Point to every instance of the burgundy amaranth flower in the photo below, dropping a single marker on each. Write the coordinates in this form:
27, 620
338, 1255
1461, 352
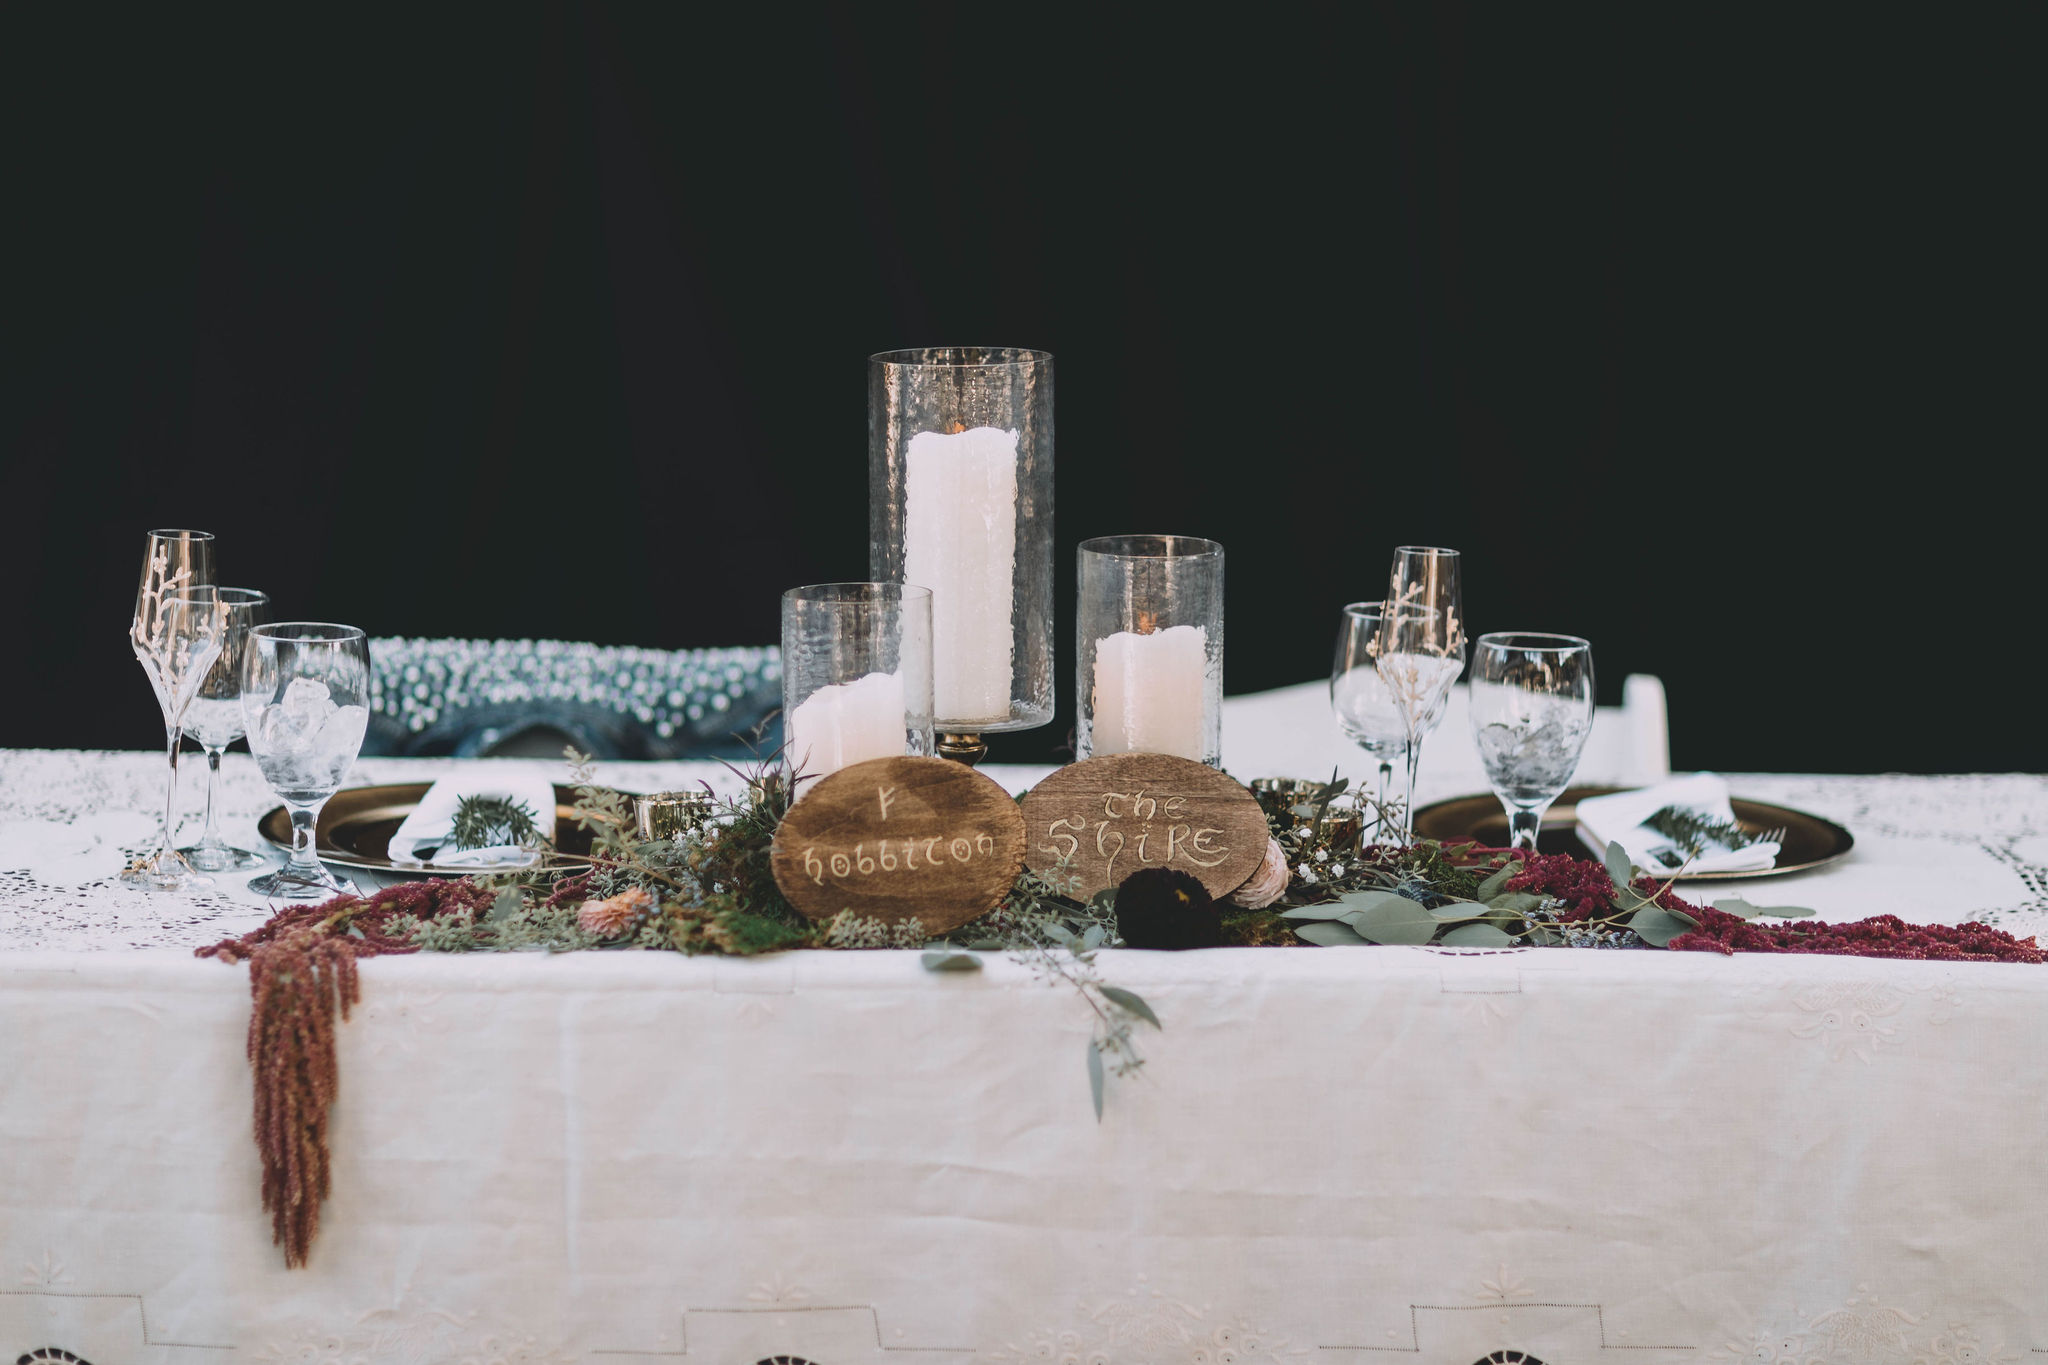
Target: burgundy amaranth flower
1582, 885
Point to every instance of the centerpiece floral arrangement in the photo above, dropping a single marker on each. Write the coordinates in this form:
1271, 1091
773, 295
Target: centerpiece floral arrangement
710, 889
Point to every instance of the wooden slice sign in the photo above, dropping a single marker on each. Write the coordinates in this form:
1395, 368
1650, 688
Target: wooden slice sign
1107, 817
901, 838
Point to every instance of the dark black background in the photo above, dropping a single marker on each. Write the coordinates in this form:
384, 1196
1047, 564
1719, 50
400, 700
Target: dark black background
1712, 337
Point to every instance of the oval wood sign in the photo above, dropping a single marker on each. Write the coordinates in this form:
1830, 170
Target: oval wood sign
1107, 817
896, 839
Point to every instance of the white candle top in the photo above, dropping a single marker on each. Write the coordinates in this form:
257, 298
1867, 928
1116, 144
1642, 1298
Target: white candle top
846, 723
1151, 693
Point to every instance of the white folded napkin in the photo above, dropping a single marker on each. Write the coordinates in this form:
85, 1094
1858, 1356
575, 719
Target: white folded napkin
433, 820
1619, 819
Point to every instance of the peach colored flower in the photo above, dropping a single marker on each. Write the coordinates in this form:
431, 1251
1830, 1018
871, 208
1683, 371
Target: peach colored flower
610, 918
1267, 884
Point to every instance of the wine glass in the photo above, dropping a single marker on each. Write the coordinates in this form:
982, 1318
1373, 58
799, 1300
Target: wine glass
1365, 708
176, 635
1532, 708
214, 719
1421, 647
305, 705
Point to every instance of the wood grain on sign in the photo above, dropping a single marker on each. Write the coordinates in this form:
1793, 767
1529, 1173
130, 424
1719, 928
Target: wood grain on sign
1109, 816
901, 838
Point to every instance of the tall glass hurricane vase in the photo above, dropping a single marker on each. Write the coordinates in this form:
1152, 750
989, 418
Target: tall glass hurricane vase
176, 634
960, 502
856, 675
1148, 647
1532, 708
305, 705
214, 719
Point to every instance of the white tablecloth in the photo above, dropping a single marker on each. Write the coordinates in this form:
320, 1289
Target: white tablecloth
1330, 1155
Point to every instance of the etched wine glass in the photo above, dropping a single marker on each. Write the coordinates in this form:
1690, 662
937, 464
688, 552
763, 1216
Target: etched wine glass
1532, 708
305, 706
1364, 707
1422, 646
176, 634
214, 719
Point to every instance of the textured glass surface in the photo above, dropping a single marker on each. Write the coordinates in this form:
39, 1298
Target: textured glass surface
960, 442
856, 674
1148, 649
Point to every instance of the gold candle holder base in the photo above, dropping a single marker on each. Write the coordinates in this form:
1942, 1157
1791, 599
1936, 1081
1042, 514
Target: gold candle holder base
670, 815
968, 749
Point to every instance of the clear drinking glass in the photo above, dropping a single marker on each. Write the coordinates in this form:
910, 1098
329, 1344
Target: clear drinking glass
214, 719
1422, 647
1364, 707
176, 634
960, 502
1532, 708
1148, 647
305, 705
856, 675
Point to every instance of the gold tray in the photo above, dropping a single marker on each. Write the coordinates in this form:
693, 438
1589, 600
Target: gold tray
357, 823
1809, 841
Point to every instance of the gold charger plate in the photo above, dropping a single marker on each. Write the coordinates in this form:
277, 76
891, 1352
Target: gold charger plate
1809, 841
357, 823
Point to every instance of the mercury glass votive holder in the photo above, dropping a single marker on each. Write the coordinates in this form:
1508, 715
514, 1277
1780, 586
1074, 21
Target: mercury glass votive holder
960, 502
856, 675
1148, 654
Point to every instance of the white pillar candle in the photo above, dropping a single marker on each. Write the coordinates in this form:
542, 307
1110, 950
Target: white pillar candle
846, 723
960, 540
1149, 692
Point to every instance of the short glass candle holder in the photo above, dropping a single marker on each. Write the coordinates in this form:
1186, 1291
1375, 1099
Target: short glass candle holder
856, 675
960, 502
1149, 647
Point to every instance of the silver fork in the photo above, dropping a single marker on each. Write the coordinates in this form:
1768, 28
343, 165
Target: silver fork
1769, 836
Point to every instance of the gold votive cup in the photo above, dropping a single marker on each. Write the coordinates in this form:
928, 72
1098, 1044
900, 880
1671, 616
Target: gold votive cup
670, 815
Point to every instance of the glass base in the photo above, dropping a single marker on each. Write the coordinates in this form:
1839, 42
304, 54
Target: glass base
221, 858
285, 884
167, 871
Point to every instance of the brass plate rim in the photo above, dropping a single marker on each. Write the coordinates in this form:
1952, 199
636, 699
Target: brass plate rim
394, 800
1749, 814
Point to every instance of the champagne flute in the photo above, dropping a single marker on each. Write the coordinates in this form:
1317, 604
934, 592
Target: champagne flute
1364, 707
1532, 708
176, 634
214, 719
305, 706
1421, 647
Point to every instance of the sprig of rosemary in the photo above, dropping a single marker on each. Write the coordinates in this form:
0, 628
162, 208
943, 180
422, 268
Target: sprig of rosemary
488, 821
1694, 831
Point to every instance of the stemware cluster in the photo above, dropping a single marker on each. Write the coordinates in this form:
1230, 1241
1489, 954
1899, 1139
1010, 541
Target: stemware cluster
297, 690
1390, 685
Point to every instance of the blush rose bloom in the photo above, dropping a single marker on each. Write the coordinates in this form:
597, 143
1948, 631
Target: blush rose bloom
1267, 884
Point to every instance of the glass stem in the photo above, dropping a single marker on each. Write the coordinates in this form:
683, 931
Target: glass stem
1523, 825
305, 820
1408, 808
211, 838
174, 736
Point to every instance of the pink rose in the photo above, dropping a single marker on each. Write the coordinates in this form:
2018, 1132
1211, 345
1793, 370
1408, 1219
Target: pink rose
1267, 884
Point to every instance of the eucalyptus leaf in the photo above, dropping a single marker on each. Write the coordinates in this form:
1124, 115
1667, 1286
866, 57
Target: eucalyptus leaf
1332, 935
1458, 910
1060, 934
1658, 927
1476, 936
1515, 902
506, 905
1092, 940
1492, 886
1095, 1075
1357, 901
1395, 920
1135, 1003
950, 960
1327, 910
1736, 905
354, 932
1619, 866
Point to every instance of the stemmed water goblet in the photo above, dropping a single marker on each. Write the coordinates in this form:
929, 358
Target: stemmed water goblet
214, 719
305, 706
1532, 708
1365, 709
176, 635
1421, 648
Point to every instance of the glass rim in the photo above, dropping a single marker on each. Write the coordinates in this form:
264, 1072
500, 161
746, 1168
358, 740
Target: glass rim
179, 533
1107, 546
924, 357
1500, 639
1378, 609
274, 630
1426, 550
853, 591
246, 597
